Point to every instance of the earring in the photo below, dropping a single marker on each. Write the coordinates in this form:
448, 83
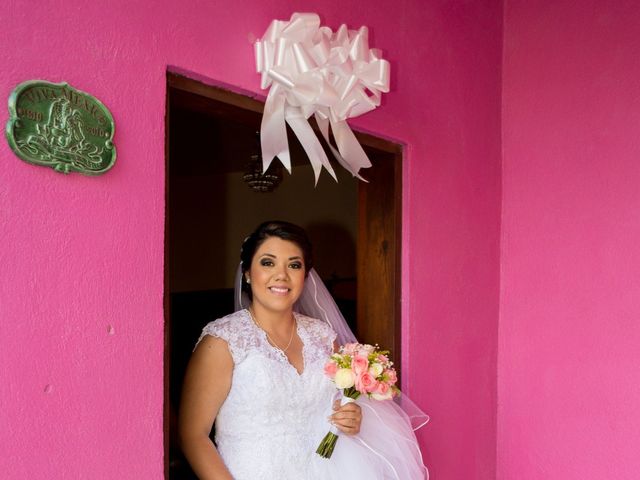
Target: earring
248, 280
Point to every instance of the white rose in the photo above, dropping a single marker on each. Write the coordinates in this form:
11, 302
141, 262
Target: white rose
383, 396
375, 370
366, 349
345, 378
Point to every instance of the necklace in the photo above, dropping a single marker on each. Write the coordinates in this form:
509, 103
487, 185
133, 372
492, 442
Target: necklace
293, 328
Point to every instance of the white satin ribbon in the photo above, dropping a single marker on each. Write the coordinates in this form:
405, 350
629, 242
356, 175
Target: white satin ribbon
311, 70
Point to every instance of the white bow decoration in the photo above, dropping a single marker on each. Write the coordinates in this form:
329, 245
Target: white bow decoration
311, 70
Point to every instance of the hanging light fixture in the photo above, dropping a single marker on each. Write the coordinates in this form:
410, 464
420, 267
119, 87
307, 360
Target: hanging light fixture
255, 178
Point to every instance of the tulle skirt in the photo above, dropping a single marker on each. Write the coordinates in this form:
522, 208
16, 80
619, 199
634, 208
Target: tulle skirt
385, 449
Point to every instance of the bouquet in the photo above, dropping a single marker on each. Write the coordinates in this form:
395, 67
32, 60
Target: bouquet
358, 369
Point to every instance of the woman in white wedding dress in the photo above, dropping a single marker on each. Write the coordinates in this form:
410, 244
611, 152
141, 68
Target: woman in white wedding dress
258, 373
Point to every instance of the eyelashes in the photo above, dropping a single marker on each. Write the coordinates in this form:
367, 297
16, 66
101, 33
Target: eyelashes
267, 262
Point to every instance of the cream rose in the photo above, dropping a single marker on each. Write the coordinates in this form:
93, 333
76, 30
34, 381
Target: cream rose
375, 369
367, 349
345, 378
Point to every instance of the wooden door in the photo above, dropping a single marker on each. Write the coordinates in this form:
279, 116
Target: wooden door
379, 241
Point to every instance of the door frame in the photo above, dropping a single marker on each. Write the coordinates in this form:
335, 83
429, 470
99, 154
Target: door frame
379, 241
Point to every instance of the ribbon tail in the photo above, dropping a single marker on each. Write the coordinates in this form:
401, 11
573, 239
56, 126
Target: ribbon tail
350, 153
323, 125
311, 145
345, 164
273, 131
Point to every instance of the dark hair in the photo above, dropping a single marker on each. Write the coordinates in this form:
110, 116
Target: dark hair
274, 228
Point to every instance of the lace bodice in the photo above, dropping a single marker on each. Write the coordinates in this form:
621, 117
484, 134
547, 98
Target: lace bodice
273, 418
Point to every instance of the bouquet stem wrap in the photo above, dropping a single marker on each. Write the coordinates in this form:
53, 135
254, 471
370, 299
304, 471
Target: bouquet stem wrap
313, 71
328, 443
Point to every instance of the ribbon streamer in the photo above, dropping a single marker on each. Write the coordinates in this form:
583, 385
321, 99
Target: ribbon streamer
312, 71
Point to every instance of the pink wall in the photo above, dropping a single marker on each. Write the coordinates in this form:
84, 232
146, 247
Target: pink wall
452, 215
569, 374
81, 341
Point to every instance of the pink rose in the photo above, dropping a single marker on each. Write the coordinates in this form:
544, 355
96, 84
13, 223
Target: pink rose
383, 359
390, 375
365, 383
330, 369
359, 364
382, 388
382, 392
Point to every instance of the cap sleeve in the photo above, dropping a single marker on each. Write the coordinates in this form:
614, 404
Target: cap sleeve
327, 334
229, 329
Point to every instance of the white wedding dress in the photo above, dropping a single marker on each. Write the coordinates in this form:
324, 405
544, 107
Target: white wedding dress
273, 418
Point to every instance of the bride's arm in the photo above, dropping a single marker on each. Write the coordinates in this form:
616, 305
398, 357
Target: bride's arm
206, 386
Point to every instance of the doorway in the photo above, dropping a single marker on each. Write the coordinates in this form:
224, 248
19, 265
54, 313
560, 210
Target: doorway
354, 226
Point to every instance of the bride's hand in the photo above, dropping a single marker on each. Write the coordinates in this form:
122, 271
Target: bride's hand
347, 418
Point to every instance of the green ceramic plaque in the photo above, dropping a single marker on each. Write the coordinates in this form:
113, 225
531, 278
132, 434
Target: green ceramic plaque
55, 125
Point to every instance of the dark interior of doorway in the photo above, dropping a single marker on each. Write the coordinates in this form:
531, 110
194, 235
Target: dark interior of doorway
211, 135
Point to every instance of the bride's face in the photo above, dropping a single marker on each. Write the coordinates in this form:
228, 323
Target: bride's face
277, 274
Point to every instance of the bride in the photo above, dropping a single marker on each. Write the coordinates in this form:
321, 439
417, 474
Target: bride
258, 373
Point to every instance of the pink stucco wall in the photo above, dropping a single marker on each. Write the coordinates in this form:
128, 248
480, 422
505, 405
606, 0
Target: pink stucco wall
569, 370
81, 289
452, 216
